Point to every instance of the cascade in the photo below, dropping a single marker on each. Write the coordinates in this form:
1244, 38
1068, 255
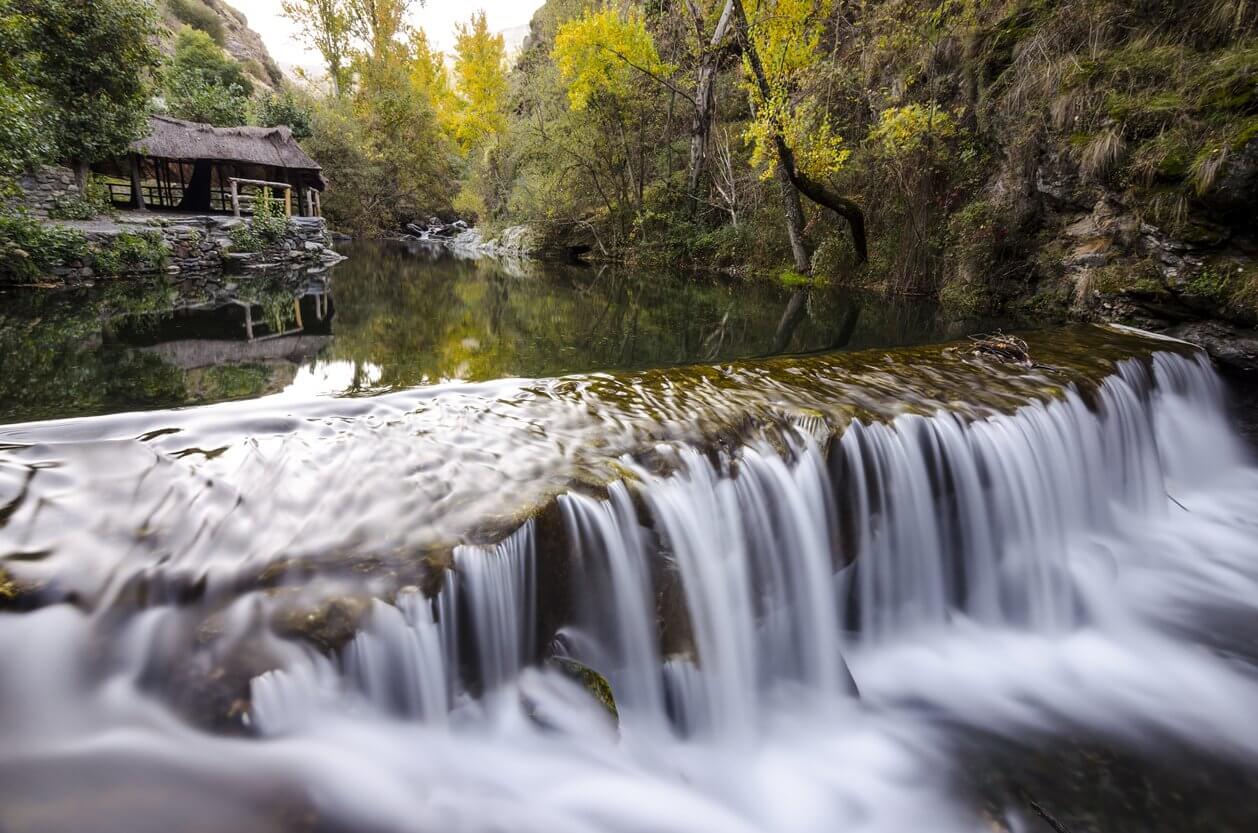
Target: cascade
798, 628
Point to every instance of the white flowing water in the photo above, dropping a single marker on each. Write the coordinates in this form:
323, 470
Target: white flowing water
796, 637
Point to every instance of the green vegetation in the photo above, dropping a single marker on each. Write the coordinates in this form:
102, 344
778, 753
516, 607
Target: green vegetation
93, 202
78, 73
265, 229
204, 84
130, 253
29, 249
199, 16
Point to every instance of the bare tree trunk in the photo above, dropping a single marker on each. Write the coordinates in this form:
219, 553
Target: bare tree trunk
794, 221
82, 170
705, 94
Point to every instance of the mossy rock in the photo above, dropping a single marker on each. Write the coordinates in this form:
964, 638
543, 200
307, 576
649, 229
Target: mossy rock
10, 591
589, 679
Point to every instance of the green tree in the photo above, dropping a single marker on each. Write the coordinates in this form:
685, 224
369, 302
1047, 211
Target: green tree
325, 25
205, 84
283, 108
93, 61
23, 137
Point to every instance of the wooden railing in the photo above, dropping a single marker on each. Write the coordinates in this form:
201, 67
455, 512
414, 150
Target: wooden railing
234, 199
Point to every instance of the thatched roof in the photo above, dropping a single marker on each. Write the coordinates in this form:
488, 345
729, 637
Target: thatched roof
186, 140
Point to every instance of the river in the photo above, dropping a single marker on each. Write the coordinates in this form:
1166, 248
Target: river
434, 544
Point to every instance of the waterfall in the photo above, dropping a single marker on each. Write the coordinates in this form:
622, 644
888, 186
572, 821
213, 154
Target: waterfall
741, 578
406, 662
801, 630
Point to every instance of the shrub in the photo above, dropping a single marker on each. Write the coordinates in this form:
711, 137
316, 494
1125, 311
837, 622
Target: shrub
193, 99
265, 230
199, 16
29, 249
87, 206
275, 109
128, 252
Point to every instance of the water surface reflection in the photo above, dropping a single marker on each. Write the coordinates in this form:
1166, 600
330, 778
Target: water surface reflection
394, 317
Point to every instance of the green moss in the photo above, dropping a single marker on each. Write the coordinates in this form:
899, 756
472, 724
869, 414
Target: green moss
1230, 285
1243, 133
967, 299
1050, 302
789, 277
589, 679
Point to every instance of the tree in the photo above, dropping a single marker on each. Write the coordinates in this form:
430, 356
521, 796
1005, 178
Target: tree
377, 23
481, 81
324, 25
23, 137
283, 108
93, 61
602, 53
431, 79
205, 84
789, 33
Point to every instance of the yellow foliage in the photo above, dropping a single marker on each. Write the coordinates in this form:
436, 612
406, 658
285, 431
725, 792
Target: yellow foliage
430, 78
903, 130
787, 35
480, 72
603, 52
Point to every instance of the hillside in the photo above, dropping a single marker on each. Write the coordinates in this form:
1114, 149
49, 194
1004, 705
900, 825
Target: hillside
230, 29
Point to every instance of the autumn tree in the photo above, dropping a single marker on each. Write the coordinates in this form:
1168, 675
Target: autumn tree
793, 137
480, 72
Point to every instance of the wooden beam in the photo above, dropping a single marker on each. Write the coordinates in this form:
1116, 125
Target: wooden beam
137, 183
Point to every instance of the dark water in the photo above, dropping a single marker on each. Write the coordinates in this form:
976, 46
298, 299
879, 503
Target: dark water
393, 317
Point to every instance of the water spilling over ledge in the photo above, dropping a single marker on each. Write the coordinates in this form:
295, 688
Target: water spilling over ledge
805, 581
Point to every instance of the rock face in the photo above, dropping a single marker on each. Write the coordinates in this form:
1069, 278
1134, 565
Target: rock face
1229, 346
1097, 251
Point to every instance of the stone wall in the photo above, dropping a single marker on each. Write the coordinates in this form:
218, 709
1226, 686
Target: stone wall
201, 245
42, 189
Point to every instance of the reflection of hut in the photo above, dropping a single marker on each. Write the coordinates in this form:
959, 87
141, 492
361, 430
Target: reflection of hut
186, 166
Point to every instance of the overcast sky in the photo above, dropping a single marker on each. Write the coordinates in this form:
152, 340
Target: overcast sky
437, 17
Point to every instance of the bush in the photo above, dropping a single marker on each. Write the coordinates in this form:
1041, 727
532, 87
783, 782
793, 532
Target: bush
143, 252
199, 16
88, 206
193, 99
276, 109
29, 249
266, 230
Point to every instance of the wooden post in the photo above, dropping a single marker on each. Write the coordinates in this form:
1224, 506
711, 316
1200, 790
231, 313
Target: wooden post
137, 186
288, 202
235, 196
318, 199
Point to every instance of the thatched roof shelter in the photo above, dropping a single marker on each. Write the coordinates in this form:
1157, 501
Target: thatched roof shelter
197, 167
270, 147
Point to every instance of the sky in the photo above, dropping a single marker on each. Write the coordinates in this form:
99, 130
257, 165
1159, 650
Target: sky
437, 17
